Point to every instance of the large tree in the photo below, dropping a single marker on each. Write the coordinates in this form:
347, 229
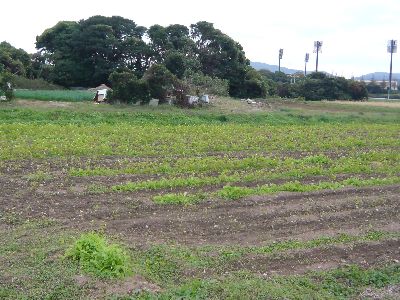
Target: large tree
15, 61
84, 53
220, 56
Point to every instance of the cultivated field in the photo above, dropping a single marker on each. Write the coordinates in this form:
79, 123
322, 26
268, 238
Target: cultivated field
55, 95
286, 200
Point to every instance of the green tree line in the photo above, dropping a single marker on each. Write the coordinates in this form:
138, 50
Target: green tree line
149, 62
315, 86
85, 53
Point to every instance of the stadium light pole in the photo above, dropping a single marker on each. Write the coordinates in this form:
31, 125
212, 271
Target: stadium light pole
306, 59
317, 49
391, 48
280, 57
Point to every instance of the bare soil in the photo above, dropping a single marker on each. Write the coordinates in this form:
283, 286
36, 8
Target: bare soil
45, 104
253, 221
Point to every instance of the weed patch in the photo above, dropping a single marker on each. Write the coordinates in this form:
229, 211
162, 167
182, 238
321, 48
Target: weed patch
234, 192
39, 176
96, 256
343, 283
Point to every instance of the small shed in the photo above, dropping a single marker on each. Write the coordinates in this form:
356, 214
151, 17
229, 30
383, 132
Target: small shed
101, 92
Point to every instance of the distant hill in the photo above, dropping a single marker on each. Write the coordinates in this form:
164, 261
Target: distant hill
272, 68
371, 76
379, 76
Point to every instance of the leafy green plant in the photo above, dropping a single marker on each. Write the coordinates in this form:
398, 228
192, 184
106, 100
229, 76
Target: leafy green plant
39, 176
96, 256
234, 192
127, 88
97, 189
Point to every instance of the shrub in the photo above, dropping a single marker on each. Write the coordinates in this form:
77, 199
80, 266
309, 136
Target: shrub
160, 81
254, 85
128, 88
358, 90
283, 90
318, 86
202, 84
98, 257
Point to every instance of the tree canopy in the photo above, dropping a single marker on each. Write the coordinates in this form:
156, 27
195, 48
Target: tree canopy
85, 53
15, 61
314, 86
141, 63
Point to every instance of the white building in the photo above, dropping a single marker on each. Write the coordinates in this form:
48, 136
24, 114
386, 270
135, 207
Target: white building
383, 83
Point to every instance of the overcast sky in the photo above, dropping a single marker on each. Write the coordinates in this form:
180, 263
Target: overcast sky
354, 32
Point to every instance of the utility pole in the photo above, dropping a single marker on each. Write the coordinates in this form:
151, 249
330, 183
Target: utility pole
305, 63
391, 48
280, 57
317, 49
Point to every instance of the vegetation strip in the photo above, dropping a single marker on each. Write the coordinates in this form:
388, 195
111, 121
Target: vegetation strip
87, 115
235, 192
209, 256
287, 169
24, 141
321, 163
287, 245
55, 95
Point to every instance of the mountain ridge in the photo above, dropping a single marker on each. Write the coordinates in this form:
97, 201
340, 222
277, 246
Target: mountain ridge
379, 76
273, 68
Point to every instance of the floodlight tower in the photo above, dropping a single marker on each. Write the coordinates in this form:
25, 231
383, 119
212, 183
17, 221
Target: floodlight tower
280, 57
317, 49
391, 48
306, 59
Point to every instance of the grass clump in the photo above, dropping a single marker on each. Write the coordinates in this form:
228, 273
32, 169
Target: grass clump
39, 176
100, 258
234, 192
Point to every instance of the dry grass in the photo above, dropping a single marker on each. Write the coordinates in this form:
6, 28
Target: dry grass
390, 103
